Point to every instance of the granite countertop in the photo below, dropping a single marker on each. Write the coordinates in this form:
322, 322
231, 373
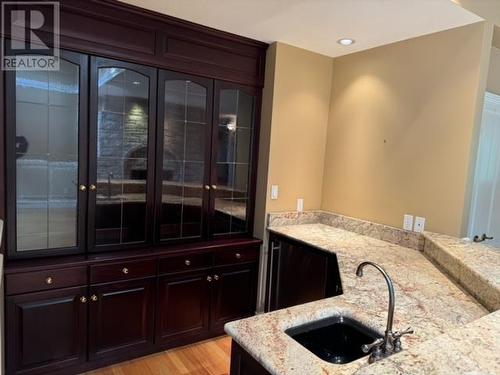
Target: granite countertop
475, 266
426, 299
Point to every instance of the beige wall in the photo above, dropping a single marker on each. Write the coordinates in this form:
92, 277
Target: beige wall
401, 130
294, 124
494, 71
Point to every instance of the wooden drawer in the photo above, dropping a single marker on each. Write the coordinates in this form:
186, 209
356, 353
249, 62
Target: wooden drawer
185, 263
45, 280
122, 271
236, 256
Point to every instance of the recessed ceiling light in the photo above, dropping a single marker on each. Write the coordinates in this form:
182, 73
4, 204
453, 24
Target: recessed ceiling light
136, 83
346, 41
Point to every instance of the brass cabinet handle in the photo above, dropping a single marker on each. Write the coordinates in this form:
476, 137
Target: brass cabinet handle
207, 187
214, 187
216, 277
82, 188
125, 270
93, 297
83, 299
238, 256
93, 187
49, 280
187, 262
209, 279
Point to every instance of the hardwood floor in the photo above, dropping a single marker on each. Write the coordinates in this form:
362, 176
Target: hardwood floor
209, 357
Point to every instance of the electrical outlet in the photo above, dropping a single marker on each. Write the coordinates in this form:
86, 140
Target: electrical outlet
408, 222
419, 224
274, 192
300, 204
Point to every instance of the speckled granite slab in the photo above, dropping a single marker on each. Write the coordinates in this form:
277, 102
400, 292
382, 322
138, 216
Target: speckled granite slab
472, 349
425, 300
383, 232
475, 267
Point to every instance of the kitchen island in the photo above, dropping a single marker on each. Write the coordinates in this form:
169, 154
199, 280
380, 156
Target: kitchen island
443, 315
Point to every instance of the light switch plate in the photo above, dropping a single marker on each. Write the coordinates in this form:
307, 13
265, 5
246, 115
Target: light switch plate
300, 204
274, 192
419, 224
408, 222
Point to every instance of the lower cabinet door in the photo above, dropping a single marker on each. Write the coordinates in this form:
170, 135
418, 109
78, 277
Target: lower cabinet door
121, 318
46, 331
183, 308
233, 294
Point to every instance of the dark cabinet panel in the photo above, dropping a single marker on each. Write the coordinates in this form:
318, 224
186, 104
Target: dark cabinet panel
243, 363
298, 274
235, 113
233, 294
183, 307
183, 156
121, 318
46, 153
121, 167
46, 331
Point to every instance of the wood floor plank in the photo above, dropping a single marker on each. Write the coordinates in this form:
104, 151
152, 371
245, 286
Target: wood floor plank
209, 357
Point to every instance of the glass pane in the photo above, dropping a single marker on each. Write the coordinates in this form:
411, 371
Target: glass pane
184, 128
47, 114
122, 141
234, 136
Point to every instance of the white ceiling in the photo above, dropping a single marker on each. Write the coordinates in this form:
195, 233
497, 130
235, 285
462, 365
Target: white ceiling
316, 25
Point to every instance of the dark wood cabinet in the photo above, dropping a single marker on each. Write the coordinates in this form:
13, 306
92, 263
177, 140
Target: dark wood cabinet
243, 363
130, 175
183, 155
236, 284
124, 307
197, 303
46, 331
234, 156
183, 307
121, 318
122, 149
46, 159
298, 273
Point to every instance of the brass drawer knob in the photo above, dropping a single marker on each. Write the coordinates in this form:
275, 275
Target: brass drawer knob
187, 262
207, 187
238, 256
83, 299
125, 270
93, 187
209, 279
82, 188
93, 297
214, 187
216, 277
49, 280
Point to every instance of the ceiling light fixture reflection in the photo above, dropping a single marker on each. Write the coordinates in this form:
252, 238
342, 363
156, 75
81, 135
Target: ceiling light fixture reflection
346, 41
231, 126
136, 83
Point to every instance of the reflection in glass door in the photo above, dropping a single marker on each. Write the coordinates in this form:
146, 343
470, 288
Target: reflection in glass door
45, 142
119, 187
233, 148
183, 144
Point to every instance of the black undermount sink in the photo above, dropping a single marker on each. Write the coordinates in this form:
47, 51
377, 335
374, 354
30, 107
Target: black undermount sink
336, 339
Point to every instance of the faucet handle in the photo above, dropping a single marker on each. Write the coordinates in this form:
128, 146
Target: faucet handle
375, 348
366, 348
397, 338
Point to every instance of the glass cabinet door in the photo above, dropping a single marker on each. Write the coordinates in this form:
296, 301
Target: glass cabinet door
232, 158
121, 167
46, 156
183, 144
